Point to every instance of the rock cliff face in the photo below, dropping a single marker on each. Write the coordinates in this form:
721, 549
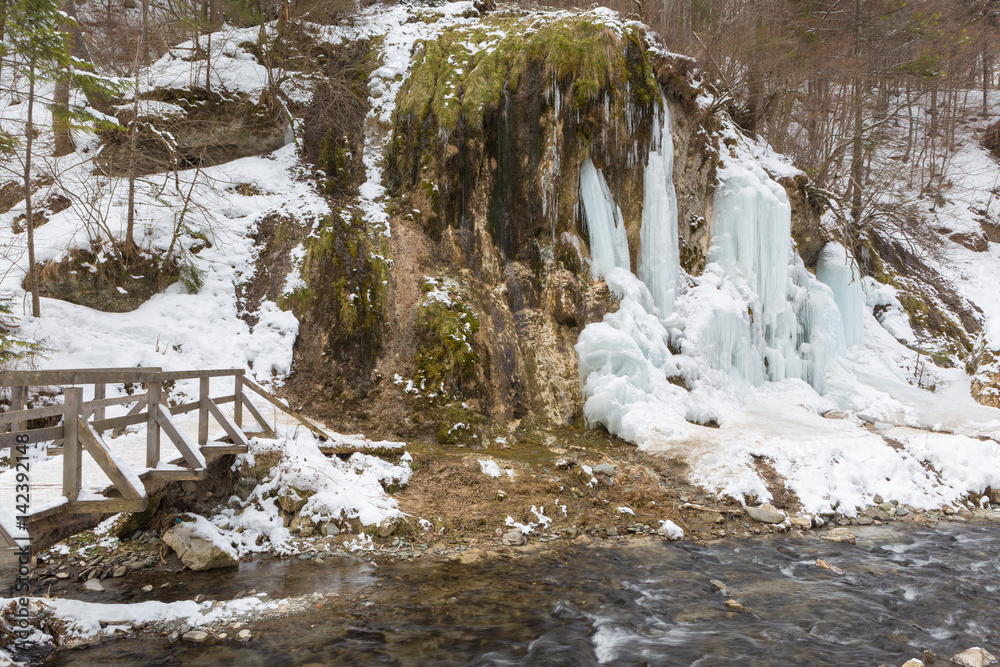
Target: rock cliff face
464, 319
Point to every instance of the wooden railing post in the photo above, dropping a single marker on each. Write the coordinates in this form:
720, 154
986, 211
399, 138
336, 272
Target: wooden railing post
18, 396
72, 448
152, 427
100, 391
203, 396
238, 402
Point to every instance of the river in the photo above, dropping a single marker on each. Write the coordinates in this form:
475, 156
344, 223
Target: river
905, 590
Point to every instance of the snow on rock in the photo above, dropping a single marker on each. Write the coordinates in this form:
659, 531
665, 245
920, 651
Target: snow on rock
489, 467
670, 530
200, 544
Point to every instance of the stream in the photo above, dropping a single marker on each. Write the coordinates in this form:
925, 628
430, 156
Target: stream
905, 590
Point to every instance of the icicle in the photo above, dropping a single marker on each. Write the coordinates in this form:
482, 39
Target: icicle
836, 269
658, 253
603, 218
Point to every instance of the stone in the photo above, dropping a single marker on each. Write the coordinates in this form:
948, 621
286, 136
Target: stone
244, 635
195, 636
836, 414
189, 486
330, 529
611, 532
604, 469
148, 588
93, 585
120, 572
902, 511
829, 567
801, 522
948, 509
292, 500
387, 528
974, 657
582, 539
913, 662
842, 535
865, 521
513, 538
719, 586
878, 499
200, 545
886, 507
62, 575
764, 515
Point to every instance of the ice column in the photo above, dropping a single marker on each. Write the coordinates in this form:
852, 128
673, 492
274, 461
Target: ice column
658, 254
603, 218
752, 240
838, 270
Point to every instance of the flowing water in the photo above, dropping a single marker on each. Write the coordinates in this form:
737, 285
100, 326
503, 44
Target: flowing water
904, 591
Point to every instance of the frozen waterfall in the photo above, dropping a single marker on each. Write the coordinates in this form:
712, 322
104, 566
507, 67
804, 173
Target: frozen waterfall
677, 352
603, 218
659, 260
838, 270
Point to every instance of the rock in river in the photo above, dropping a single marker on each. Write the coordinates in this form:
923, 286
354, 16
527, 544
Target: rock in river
974, 657
200, 545
513, 538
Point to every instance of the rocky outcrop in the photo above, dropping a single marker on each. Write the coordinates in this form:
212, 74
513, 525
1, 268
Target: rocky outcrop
184, 128
106, 279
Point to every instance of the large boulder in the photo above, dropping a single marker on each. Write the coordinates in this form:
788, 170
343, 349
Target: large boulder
199, 544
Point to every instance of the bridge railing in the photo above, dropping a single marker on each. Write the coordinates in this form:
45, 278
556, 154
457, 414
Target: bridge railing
84, 423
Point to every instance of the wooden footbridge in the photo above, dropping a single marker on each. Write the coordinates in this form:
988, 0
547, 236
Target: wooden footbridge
82, 426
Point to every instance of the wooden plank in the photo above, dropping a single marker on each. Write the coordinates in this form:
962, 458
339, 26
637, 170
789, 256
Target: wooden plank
22, 416
78, 376
261, 419
203, 399
34, 435
177, 475
119, 423
6, 538
224, 448
234, 433
118, 472
72, 450
237, 400
100, 404
190, 375
136, 409
18, 396
270, 398
192, 456
191, 406
100, 392
152, 430
108, 506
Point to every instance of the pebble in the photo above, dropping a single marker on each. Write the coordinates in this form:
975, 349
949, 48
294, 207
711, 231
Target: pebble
913, 662
829, 567
120, 572
513, 538
244, 635
147, 589
62, 575
719, 586
195, 636
93, 585
612, 532
604, 469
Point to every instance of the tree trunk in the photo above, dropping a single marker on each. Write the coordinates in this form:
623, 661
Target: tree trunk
95, 99
29, 218
857, 147
141, 58
60, 119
